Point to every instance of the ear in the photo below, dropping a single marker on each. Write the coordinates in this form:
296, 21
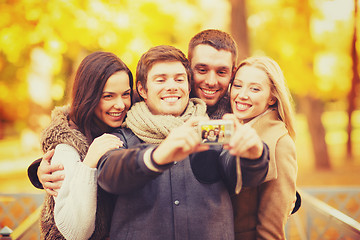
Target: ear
272, 100
142, 91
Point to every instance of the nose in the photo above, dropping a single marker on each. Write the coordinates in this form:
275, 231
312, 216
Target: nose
119, 104
211, 79
243, 94
171, 85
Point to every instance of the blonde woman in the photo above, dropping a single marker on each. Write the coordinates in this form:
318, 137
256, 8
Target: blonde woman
259, 97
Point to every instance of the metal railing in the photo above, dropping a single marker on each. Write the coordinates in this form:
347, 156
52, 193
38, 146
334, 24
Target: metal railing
327, 213
317, 220
21, 213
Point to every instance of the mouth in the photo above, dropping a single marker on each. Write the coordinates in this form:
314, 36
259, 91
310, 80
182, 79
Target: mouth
209, 92
242, 106
116, 115
170, 99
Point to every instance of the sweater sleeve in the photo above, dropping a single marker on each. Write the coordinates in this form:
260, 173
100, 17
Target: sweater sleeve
75, 205
121, 171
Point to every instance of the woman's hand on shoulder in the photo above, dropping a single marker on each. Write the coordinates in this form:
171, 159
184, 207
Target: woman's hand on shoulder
99, 147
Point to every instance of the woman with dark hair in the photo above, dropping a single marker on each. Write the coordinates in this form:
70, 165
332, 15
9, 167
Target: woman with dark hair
102, 93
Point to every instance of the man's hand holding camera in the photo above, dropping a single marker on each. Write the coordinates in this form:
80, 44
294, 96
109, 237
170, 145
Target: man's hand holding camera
244, 142
180, 142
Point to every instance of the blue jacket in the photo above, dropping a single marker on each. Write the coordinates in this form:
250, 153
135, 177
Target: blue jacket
184, 201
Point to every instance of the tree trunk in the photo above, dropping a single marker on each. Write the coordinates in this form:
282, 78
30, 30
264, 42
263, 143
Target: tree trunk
239, 28
313, 109
354, 83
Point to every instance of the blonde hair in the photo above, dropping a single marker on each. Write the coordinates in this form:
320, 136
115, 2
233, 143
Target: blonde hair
279, 89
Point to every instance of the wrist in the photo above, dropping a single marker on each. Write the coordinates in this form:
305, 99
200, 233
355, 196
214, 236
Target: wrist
156, 164
89, 162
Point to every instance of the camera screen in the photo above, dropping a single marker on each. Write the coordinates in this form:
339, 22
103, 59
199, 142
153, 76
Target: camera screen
215, 131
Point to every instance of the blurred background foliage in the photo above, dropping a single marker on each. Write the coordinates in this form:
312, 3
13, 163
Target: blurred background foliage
314, 41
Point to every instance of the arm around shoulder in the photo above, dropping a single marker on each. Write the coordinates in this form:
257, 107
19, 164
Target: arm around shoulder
32, 173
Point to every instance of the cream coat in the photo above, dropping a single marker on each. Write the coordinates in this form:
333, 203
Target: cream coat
262, 212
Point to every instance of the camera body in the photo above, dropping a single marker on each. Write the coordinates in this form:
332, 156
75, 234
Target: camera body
215, 132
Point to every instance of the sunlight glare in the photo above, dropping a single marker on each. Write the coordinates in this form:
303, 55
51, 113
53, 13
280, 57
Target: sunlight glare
138, 45
335, 138
29, 140
39, 78
219, 12
57, 92
122, 20
44, 120
287, 50
337, 9
108, 39
256, 20
324, 64
318, 27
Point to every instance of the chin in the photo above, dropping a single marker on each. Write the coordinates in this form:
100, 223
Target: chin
116, 125
211, 102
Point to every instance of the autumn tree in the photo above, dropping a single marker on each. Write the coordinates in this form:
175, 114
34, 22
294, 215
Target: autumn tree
354, 84
42, 42
238, 27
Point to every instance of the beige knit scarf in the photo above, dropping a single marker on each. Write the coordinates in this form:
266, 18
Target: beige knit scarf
155, 128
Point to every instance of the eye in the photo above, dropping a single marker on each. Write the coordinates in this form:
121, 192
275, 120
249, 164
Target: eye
125, 94
159, 80
237, 85
107, 96
255, 89
223, 72
180, 79
201, 70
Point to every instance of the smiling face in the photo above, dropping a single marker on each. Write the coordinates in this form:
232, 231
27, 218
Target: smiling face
212, 70
250, 93
115, 100
167, 89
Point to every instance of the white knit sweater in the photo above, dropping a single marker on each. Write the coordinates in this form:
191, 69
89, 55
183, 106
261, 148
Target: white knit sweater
75, 205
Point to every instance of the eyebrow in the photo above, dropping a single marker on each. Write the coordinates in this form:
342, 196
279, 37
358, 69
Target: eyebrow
164, 75
201, 65
128, 90
207, 65
254, 83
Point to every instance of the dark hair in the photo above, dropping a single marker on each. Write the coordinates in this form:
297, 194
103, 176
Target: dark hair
217, 39
203, 133
90, 79
162, 53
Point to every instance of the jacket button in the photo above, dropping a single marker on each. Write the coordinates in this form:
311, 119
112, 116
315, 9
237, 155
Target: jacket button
176, 202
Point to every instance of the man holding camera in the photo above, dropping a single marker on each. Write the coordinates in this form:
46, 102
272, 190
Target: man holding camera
168, 191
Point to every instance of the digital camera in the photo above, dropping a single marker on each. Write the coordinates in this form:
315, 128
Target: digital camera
215, 132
